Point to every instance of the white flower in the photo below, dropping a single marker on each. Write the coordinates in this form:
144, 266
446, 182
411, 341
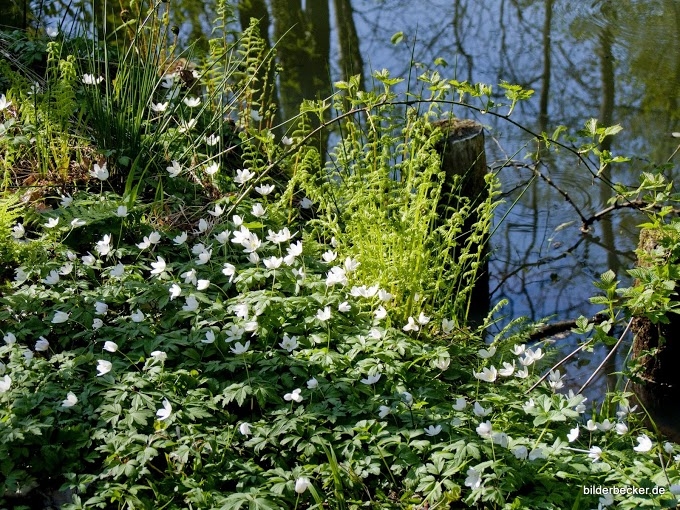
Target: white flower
529, 406
622, 428
243, 176
229, 270
100, 172
265, 189
118, 270
371, 379
168, 81
423, 319
522, 374
52, 278
159, 266
383, 411
77, 222
344, 307
624, 410
380, 313
484, 429
555, 380
536, 453
281, 236
97, 323
294, 396
209, 337
324, 315
258, 211
447, 326
212, 140
66, 200
138, 316
122, 211
351, 265
191, 304
239, 348
460, 404
605, 426
480, 411
89, 79
51, 223
244, 428
329, 256
433, 430
286, 140
302, 484
212, 169
180, 239
675, 489
306, 203
251, 243
273, 262
336, 276
520, 453
668, 447
594, 453
175, 291
42, 344
4, 103
518, 349
234, 332
110, 346
202, 284
289, 343
101, 308
591, 425
103, 367
485, 354
159, 107
159, 356
500, 438
70, 400
312, 383
66, 269
18, 231
407, 397
174, 169
60, 317
507, 369
186, 126
88, 259
165, 412
223, 236
487, 374
473, 479
20, 275
255, 115
103, 246
241, 310
192, 102
5, 382
644, 444
411, 325
202, 225
573, 434
375, 334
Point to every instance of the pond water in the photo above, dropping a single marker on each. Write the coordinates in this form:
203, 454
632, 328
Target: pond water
617, 61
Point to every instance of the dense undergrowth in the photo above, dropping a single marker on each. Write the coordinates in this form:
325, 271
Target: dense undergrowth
201, 312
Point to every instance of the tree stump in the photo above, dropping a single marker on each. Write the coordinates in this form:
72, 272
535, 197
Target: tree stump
463, 154
656, 350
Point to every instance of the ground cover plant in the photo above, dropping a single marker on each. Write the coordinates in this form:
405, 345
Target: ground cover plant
206, 325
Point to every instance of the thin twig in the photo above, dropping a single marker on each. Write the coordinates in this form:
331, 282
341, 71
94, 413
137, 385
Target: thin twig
609, 355
558, 364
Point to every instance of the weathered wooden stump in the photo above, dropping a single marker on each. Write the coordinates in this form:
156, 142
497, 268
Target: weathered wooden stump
656, 350
463, 154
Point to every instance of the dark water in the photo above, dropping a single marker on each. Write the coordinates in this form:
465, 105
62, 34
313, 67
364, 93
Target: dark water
616, 61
